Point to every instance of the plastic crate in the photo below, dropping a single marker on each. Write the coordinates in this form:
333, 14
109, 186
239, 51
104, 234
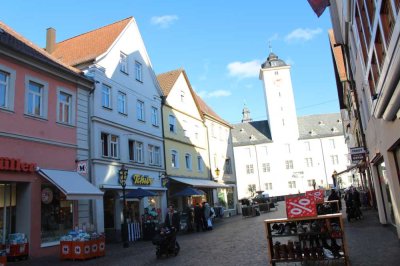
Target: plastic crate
66, 250
17, 251
102, 246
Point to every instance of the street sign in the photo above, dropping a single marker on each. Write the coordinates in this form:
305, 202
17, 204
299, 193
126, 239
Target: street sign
357, 150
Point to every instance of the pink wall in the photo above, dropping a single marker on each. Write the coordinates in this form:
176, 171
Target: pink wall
19, 124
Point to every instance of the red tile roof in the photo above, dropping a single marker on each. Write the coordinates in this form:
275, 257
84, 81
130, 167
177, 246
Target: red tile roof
15, 41
87, 46
206, 110
338, 55
168, 79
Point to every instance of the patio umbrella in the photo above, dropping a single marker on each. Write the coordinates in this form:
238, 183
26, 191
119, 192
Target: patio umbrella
139, 193
189, 191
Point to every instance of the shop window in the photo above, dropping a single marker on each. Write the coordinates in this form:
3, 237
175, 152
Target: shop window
56, 214
7, 210
387, 19
109, 209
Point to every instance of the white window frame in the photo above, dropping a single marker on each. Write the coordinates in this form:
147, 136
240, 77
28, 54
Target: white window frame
154, 155
9, 84
266, 167
121, 102
188, 161
268, 186
249, 169
185, 129
174, 159
106, 96
332, 142
138, 71
157, 155
71, 105
289, 164
307, 145
309, 162
172, 123
334, 159
292, 184
140, 110
196, 132
139, 156
44, 94
154, 116
182, 96
123, 63
112, 145
200, 167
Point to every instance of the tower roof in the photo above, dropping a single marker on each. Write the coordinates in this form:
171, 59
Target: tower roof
273, 61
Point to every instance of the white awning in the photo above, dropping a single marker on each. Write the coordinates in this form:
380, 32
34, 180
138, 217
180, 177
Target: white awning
118, 187
199, 182
72, 185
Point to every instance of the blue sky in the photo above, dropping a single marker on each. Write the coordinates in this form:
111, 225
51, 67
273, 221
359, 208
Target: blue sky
220, 44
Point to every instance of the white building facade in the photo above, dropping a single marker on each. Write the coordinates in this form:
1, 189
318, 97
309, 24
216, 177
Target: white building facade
125, 119
286, 154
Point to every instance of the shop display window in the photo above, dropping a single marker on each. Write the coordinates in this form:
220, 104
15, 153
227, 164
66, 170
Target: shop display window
56, 214
7, 210
225, 198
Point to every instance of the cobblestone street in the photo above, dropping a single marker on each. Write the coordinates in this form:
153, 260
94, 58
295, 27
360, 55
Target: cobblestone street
241, 241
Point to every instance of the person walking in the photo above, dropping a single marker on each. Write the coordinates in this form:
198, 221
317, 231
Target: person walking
334, 196
207, 216
189, 219
198, 217
172, 220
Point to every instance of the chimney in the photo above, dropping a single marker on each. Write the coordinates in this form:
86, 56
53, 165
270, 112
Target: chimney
50, 40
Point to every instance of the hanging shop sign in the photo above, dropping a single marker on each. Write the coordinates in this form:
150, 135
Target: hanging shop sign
357, 154
47, 195
16, 165
138, 179
303, 206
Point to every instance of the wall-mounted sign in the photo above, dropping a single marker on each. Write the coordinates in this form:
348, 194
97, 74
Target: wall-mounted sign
357, 154
138, 179
47, 195
81, 167
11, 164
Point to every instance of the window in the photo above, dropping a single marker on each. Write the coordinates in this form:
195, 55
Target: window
154, 155
309, 162
138, 71
249, 169
334, 159
109, 144
154, 116
196, 132
247, 152
174, 159
121, 102
123, 63
332, 143
140, 110
265, 150
199, 164
136, 151
4, 88
185, 128
182, 96
106, 96
172, 127
289, 164
292, 184
307, 146
188, 161
35, 99
311, 182
287, 148
268, 186
266, 167
228, 166
213, 130
65, 107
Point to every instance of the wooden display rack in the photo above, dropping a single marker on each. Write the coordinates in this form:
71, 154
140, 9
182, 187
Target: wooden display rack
295, 237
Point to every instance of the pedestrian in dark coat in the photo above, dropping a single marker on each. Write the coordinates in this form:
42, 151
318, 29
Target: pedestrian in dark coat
334, 196
172, 219
198, 217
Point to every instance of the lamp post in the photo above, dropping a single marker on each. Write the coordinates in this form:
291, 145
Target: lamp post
217, 171
123, 175
334, 175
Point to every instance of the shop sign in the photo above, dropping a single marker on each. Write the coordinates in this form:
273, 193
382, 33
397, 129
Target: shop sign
302, 206
357, 154
138, 179
318, 195
11, 164
81, 167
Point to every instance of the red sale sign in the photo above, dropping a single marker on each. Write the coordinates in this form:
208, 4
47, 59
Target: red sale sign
303, 206
317, 194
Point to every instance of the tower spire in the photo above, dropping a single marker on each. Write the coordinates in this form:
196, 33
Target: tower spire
246, 114
270, 46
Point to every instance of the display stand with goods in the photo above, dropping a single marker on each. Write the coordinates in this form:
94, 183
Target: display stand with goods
305, 236
81, 246
17, 247
3, 257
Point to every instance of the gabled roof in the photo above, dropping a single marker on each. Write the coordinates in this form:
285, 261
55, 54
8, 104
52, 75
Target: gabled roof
13, 40
206, 110
168, 79
88, 46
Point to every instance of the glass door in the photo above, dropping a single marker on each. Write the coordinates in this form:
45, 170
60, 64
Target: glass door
7, 210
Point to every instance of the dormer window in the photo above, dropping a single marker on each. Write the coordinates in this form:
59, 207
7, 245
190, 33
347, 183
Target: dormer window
123, 63
312, 133
334, 130
321, 123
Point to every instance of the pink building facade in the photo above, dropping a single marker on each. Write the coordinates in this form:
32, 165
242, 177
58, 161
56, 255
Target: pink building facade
39, 146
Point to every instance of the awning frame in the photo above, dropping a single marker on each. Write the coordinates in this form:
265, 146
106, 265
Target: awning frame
201, 183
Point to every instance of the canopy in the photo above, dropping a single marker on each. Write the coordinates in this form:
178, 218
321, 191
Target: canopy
189, 191
140, 193
72, 185
198, 182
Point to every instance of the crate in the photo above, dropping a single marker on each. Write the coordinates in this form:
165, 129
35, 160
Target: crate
3, 260
102, 246
66, 250
17, 251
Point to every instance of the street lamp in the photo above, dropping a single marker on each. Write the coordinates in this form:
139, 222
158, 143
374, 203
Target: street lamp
217, 171
123, 175
334, 175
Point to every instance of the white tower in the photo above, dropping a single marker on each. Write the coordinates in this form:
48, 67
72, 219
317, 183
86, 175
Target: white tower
278, 92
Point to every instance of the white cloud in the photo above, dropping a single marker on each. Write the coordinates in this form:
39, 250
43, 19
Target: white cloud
214, 94
300, 34
164, 21
274, 37
244, 69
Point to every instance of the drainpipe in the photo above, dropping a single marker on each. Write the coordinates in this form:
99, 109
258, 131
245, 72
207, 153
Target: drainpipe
323, 160
258, 170
165, 152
